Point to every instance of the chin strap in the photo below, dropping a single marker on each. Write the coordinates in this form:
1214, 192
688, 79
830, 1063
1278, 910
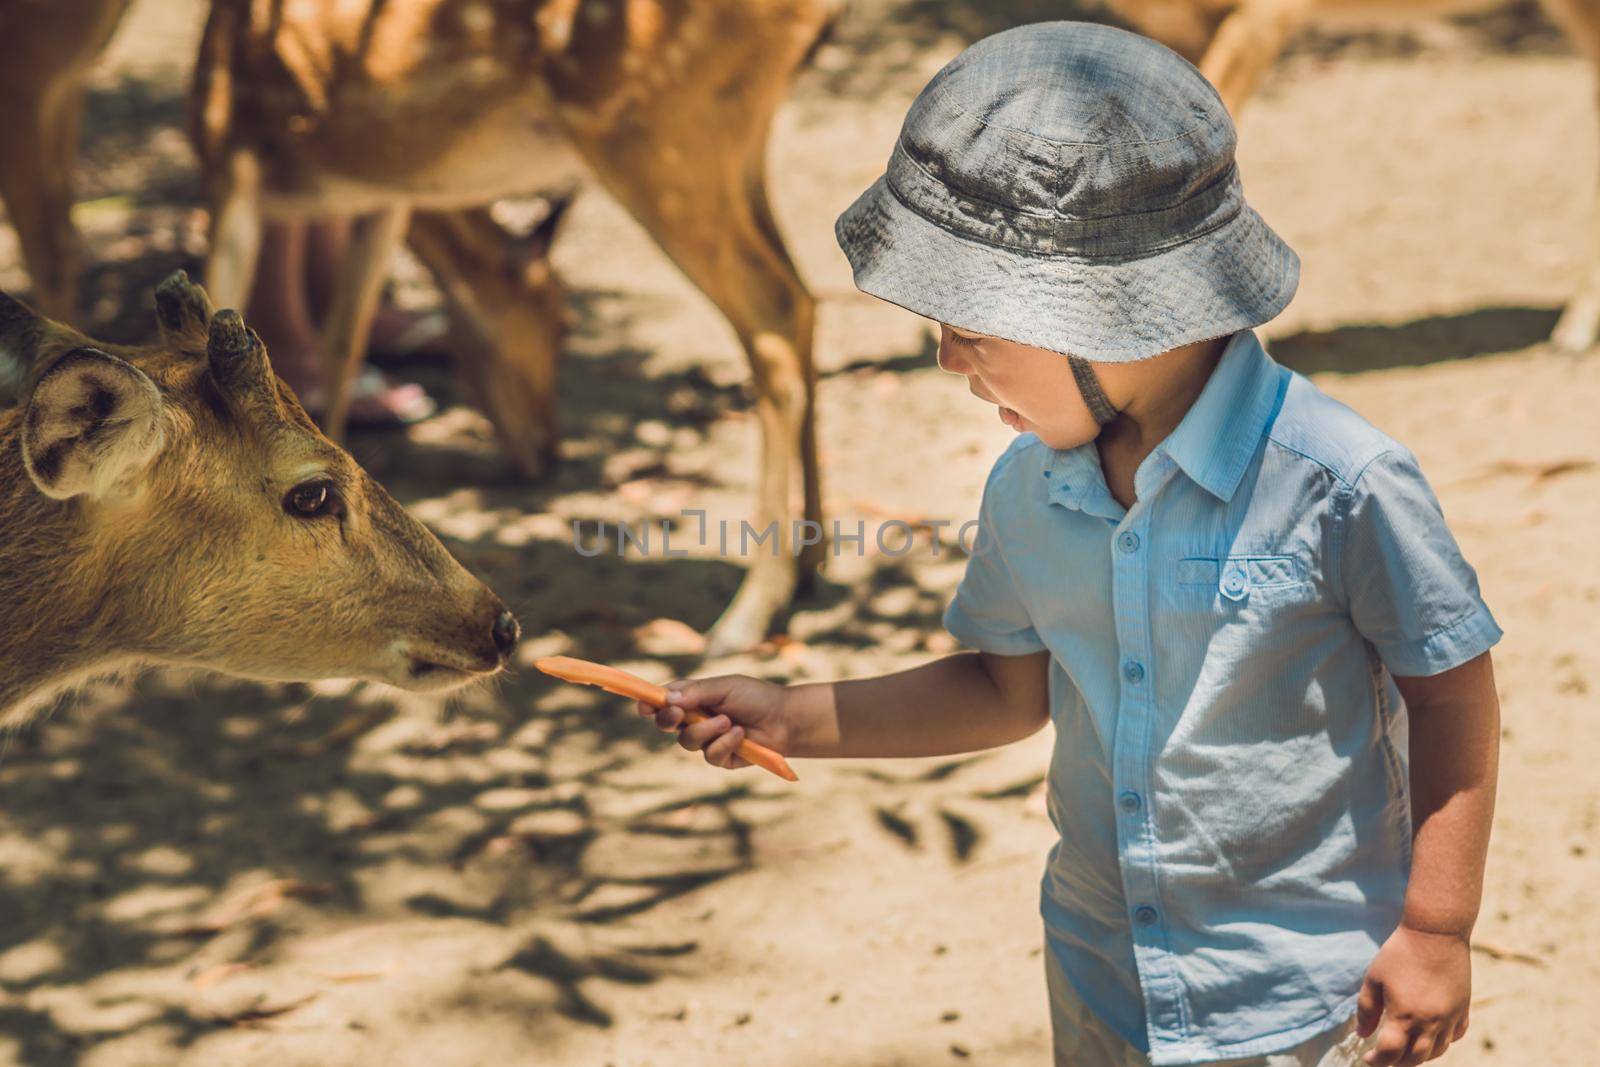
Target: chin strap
1089, 385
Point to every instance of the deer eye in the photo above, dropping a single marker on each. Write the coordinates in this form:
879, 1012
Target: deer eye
310, 500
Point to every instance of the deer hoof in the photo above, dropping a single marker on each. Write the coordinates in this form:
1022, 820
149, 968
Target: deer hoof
743, 625
727, 640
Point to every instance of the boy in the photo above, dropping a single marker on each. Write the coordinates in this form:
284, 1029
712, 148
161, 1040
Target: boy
1215, 581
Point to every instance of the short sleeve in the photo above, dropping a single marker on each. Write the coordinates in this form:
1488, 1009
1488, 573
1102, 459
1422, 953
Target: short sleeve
1409, 590
987, 613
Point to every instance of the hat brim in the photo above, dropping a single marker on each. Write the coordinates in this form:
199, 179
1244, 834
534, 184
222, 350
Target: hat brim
1238, 275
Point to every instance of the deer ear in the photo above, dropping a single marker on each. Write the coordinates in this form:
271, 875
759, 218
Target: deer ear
92, 423
182, 308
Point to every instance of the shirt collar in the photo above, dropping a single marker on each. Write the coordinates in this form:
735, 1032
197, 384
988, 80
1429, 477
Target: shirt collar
1218, 435
1214, 441
1073, 474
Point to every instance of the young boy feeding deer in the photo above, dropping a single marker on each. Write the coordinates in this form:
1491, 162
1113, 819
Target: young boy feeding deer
1237, 602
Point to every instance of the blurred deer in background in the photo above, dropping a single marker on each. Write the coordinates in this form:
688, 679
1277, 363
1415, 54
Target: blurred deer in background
420, 113
174, 504
1235, 42
47, 48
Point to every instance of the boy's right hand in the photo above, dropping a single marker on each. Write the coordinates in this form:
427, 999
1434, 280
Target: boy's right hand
739, 706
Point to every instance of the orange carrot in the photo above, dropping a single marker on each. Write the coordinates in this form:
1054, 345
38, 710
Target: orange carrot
612, 680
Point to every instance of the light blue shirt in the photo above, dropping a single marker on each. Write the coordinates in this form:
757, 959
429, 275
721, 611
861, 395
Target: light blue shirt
1229, 776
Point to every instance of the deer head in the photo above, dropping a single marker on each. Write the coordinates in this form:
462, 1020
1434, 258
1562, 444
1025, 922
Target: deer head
175, 504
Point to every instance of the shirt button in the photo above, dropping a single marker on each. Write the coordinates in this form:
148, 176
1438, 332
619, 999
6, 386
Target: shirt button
1128, 802
1128, 542
1234, 583
1144, 915
1133, 670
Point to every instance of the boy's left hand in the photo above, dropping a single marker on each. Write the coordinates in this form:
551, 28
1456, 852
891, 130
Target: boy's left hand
1420, 985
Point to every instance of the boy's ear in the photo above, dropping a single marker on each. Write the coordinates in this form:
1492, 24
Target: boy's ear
92, 424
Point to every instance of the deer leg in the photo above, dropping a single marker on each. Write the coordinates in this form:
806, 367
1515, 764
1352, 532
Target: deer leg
1579, 325
507, 312
1246, 45
235, 231
813, 555
66, 134
360, 287
39, 131
706, 217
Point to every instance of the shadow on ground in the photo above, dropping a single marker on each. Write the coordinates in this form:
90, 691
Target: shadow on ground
197, 824
1379, 346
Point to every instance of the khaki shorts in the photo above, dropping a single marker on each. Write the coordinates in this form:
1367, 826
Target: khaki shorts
1082, 1040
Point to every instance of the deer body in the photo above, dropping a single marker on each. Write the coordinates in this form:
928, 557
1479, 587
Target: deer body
377, 142
422, 112
173, 504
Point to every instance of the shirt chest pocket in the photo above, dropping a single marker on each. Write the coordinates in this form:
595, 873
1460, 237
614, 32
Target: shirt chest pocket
1241, 579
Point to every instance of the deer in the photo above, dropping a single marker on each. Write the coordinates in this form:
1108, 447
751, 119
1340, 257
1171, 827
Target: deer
46, 53
419, 114
1235, 42
173, 504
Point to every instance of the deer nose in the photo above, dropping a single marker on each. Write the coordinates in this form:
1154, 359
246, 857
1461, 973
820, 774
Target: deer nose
506, 632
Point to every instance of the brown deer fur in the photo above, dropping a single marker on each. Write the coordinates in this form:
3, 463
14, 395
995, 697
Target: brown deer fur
145, 518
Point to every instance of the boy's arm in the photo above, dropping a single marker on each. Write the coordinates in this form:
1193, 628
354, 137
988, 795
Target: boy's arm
1455, 748
960, 703
1421, 982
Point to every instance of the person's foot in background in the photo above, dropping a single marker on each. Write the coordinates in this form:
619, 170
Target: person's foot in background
281, 311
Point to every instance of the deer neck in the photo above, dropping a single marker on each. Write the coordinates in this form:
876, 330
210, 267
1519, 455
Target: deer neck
57, 625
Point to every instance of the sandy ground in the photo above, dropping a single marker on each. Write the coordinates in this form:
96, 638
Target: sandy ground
195, 871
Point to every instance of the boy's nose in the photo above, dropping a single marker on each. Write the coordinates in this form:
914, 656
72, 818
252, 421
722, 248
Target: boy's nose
949, 359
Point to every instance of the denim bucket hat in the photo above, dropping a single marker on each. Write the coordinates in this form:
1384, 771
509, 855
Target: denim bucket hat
1070, 186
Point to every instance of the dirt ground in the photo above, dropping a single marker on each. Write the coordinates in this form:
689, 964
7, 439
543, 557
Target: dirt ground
196, 871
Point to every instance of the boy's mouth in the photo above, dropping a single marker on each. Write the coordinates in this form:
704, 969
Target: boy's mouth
1010, 417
